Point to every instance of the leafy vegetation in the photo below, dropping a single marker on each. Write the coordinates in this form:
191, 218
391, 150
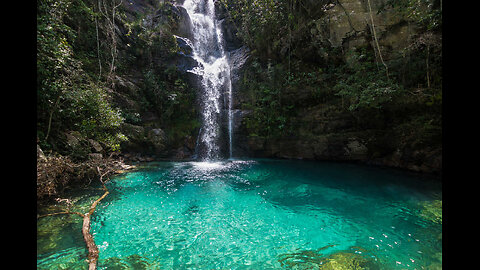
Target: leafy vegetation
101, 64
427, 13
291, 53
68, 97
362, 84
85, 54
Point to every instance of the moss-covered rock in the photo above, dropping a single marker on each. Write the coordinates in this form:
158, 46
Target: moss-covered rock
348, 261
340, 260
432, 210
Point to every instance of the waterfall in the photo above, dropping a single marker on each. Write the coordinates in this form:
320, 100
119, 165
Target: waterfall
214, 71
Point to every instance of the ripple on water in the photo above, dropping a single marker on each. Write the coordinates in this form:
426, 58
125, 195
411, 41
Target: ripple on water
249, 214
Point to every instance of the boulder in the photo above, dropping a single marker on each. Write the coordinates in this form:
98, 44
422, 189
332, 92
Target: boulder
133, 132
135, 135
40, 155
184, 27
73, 138
95, 145
184, 60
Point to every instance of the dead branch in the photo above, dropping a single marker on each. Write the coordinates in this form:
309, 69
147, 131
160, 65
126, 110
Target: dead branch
110, 22
93, 251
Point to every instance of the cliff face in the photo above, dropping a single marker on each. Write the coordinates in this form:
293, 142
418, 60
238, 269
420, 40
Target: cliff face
400, 134
155, 91
318, 124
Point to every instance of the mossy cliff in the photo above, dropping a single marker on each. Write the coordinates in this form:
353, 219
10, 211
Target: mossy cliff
356, 80
111, 74
348, 80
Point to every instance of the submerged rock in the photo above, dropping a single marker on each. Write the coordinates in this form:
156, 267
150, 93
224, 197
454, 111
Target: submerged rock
341, 260
348, 261
432, 211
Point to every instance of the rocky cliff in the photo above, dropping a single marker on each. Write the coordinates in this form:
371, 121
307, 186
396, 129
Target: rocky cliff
155, 91
396, 135
320, 125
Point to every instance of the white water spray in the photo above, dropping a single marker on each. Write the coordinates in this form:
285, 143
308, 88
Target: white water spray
214, 70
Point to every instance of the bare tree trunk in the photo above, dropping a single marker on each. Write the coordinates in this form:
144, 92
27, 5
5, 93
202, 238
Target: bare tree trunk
92, 247
93, 251
51, 116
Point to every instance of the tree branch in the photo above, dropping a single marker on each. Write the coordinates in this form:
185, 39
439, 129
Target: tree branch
93, 251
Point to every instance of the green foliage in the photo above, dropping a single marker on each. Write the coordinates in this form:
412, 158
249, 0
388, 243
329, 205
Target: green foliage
276, 29
67, 97
421, 131
263, 23
169, 95
150, 36
94, 116
268, 117
270, 113
425, 12
363, 84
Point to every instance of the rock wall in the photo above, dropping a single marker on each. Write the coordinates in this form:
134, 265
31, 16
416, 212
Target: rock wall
349, 25
323, 131
146, 35
326, 131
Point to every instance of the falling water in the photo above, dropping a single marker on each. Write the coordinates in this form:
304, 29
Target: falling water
214, 71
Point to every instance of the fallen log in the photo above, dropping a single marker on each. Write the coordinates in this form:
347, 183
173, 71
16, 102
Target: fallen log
93, 252
92, 247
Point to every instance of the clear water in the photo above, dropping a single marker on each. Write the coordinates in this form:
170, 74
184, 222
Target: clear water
257, 214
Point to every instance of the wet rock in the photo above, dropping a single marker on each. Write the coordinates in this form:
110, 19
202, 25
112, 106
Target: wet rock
185, 45
184, 28
182, 153
229, 29
184, 60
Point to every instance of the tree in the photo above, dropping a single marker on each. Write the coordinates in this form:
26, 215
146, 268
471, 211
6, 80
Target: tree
68, 97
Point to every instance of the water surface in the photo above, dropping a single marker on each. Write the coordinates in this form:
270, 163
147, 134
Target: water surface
258, 214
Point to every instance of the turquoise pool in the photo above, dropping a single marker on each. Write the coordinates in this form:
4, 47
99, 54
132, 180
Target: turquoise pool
255, 214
